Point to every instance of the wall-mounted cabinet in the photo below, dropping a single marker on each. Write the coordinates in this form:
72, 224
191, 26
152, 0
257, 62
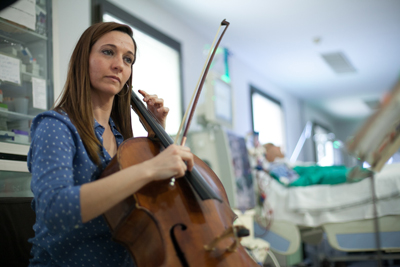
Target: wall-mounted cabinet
26, 82
25, 67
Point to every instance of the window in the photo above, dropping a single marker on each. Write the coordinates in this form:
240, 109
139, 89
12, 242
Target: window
267, 118
157, 69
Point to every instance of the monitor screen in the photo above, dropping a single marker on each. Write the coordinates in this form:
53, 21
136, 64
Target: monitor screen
223, 101
216, 103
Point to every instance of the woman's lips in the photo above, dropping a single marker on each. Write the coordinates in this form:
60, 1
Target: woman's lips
114, 78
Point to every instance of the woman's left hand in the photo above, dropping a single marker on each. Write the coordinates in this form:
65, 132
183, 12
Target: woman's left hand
156, 106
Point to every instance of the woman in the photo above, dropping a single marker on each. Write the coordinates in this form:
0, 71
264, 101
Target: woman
72, 144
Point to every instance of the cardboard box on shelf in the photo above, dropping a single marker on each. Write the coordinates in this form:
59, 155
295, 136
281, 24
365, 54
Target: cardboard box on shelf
3, 124
9, 101
21, 136
23, 67
7, 136
33, 68
3, 107
23, 125
10, 50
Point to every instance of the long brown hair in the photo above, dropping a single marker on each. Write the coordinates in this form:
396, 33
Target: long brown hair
76, 97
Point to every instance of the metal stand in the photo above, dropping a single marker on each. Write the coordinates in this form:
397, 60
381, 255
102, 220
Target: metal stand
376, 222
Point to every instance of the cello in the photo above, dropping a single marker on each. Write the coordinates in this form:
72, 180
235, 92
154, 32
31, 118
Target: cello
187, 222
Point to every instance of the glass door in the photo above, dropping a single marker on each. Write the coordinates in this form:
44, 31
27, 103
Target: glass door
25, 67
26, 82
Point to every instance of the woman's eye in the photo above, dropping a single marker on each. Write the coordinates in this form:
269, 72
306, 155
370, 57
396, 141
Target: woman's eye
128, 60
107, 52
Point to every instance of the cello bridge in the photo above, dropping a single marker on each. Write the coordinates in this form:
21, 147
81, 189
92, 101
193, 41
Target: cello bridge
235, 232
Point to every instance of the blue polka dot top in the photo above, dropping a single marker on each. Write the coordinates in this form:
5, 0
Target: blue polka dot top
59, 165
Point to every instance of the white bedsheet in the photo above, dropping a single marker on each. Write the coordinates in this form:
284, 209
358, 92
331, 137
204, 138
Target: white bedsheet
315, 205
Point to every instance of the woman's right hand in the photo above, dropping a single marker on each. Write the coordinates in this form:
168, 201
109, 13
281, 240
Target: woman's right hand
99, 196
171, 162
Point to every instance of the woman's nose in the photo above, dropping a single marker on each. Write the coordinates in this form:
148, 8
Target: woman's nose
117, 63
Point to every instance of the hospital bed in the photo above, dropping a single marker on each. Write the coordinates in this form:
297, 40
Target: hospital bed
344, 213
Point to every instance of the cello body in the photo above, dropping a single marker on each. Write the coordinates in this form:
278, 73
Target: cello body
169, 225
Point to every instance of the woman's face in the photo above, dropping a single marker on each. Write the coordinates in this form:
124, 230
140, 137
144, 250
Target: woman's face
110, 63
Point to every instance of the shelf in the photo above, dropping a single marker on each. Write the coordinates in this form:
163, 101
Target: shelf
13, 166
14, 148
14, 174
18, 33
5, 141
27, 76
15, 116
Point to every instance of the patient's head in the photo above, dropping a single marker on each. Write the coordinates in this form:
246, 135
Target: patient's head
272, 152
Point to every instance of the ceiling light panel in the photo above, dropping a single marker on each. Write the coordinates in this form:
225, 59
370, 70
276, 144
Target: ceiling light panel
338, 62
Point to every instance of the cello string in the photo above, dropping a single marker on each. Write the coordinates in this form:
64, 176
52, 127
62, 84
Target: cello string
197, 86
152, 116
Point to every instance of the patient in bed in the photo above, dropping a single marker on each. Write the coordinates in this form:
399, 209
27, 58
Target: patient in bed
290, 175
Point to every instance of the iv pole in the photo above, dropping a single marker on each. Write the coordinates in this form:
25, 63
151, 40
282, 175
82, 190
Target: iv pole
303, 137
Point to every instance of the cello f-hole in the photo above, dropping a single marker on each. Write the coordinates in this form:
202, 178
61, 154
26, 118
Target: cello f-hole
178, 250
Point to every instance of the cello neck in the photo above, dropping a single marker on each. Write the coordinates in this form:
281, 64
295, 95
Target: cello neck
149, 122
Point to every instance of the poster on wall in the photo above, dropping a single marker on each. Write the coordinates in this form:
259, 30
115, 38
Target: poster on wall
245, 194
39, 94
10, 69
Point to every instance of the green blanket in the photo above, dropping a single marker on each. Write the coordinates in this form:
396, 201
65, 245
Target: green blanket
312, 175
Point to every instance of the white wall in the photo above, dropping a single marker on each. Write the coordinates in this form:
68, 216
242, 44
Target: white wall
242, 76
343, 130
71, 18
